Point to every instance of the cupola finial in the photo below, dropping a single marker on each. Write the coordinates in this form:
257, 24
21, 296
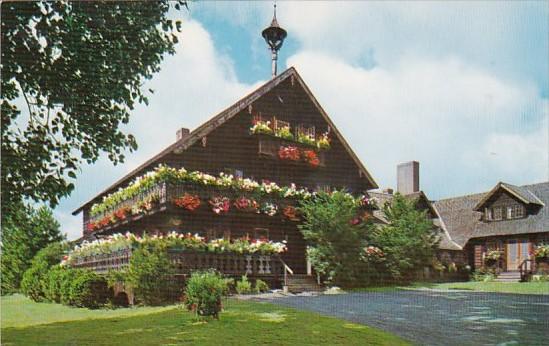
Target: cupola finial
274, 35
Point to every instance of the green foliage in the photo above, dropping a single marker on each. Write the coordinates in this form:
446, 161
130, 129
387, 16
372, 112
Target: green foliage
65, 285
243, 286
87, 289
409, 240
204, 291
36, 279
150, 274
335, 243
261, 286
25, 230
483, 274
284, 132
53, 282
79, 68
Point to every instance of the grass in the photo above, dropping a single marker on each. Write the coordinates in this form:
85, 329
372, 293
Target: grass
241, 323
499, 287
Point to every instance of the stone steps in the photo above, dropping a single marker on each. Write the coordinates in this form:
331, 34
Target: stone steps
508, 277
302, 283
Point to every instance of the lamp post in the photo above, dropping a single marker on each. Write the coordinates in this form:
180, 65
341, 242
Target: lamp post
274, 35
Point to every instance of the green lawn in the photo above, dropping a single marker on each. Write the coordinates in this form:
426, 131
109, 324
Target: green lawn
499, 287
27, 323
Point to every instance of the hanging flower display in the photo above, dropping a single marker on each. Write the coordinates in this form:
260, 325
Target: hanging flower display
373, 253
289, 153
269, 209
220, 205
91, 226
259, 126
284, 132
121, 213
542, 251
249, 205
290, 212
188, 202
104, 221
323, 142
311, 158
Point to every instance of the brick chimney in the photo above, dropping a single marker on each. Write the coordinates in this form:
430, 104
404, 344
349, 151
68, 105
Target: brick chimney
182, 133
408, 177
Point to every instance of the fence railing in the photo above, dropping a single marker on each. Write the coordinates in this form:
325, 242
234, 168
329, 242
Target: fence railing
185, 262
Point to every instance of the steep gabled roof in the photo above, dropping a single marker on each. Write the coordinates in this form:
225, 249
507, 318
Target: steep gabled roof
462, 221
204, 129
523, 194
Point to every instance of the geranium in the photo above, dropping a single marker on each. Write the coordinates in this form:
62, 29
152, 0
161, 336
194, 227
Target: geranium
247, 205
220, 205
261, 127
188, 202
290, 212
284, 132
289, 153
367, 201
121, 213
269, 209
373, 253
91, 226
542, 251
104, 221
323, 141
311, 158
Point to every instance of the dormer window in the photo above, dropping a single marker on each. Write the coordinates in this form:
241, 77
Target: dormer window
488, 214
497, 213
515, 211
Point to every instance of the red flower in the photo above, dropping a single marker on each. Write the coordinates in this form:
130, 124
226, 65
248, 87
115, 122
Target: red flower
187, 202
311, 158
246, 204
91, 226
220, 205
290, 212
121, 213
289, 153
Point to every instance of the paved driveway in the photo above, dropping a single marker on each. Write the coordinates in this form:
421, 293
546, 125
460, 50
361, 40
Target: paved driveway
441, 317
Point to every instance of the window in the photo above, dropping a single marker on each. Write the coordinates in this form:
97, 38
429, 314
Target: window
488, 213
515, 211
497, 212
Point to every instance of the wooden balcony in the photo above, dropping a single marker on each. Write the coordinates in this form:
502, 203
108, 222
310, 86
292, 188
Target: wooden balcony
186, 261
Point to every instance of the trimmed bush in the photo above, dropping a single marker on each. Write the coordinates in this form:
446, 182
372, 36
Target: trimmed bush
53, 282
88, 289
244, 286
35, 280
65, 283
150, 274
204, 292
261, 286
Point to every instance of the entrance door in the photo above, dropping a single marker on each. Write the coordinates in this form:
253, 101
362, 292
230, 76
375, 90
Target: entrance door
517, 251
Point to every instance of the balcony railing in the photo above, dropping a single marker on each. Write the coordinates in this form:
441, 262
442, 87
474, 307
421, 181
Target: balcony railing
164, 193
185, 262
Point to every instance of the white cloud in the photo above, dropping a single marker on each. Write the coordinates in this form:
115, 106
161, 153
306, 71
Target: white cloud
194, 84
443, 113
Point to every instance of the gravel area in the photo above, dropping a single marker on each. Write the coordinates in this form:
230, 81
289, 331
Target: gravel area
429, 317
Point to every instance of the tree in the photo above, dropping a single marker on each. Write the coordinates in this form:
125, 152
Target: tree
78, 68
335, 242
24, 233
408, 241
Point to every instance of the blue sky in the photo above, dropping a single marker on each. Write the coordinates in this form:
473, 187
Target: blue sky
460, 86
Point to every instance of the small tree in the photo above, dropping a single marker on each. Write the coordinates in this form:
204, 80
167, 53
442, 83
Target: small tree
334, 240
25, 231
408, 241
204, 292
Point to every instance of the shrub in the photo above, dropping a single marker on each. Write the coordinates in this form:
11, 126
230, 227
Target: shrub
88, 289
35, 280
483, 274
261, 286
66, 278
53, 282
150, 274
204, 291
244, 286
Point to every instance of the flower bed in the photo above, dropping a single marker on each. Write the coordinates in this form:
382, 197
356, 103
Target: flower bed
119, 242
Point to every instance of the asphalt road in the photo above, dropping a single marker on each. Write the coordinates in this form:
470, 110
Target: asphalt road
440, 317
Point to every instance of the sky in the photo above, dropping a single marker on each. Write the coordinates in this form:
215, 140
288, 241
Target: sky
462, 87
